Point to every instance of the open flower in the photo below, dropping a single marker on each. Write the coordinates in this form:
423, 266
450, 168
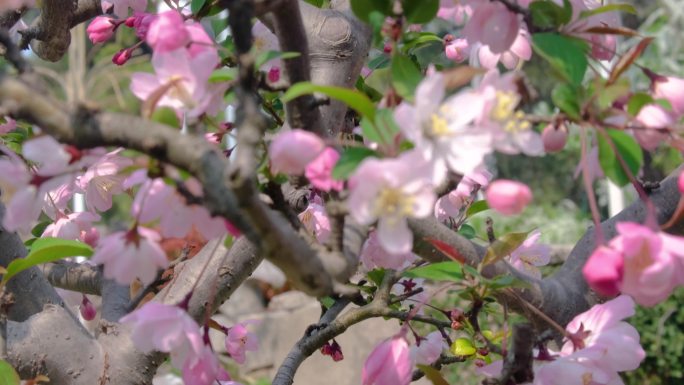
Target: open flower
391, 190
239, 341
291, 151
388, 364
528, 256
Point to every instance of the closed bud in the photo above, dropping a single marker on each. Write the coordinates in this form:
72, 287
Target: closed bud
554, 138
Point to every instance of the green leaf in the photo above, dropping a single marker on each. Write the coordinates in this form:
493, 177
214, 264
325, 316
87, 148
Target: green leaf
376, 276
8, 376
420, 11
609, 8
166, 115
315, 3
477, 207
196, 5
353, 98
327, 301
405, 76
223, 75
629, 150
350, 160
504, 246
547, 14
440, 271
566, 97
38, 229
363, 8
467, 231
637, 101
567, 55
46, 250
463, 347
267, 56
421, 39
433, 375
380, 61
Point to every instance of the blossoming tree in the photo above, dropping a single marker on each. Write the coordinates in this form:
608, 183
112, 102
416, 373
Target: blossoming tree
360, 188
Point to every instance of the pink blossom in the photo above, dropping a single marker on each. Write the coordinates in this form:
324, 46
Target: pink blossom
102, 180
165, 328
654, 118
429, 349
9, 125
457, 50
389, 191
265, 41
388, 364
671, 89
120, 58
239, 341
451, 204
121, 6
101, 29
182, 80
316, 221
141, 22
71, 226
653, 263
680, 182
493, 25
443, 132
604, 271
319, 171
87, 309
373, 256
508, 196
511, 132
603, 46
530, 255
167, 32
202, 369
453, 10
291, 151
132, 254
554, 138
521, 49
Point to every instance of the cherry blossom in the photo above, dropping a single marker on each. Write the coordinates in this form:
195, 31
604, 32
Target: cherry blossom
388, 364
72, 226
127, 255
391, 190
604, 271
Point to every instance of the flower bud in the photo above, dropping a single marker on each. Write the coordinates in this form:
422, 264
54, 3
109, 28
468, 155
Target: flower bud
120, 58
554, 138
508, 197
87, 309
680, 183
604, 271
101, 29
457, 50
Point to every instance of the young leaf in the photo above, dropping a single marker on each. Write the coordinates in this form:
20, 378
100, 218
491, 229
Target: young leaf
353, 98
504, 246
8, 376
567, 55
637, 101
629, 150
477, 207
363, 8
627, 59
440, 271
463, 347
405, 76
547, 14
420, 11
566, 97
196, 5
45, 250
350, 160
609, 8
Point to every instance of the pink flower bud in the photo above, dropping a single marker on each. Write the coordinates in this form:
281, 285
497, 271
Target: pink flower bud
671, 89
604, 271
292, 150
457, 50
680, 183
319, 171
508, 197
274, 74
388, 364
141, 22
167, 32
554, 138
101, 29
120, 58
87, 309
90, 237
654, 118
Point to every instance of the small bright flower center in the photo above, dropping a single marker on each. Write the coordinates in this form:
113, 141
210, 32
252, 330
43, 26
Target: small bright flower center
504, 112
439, 126
392, 202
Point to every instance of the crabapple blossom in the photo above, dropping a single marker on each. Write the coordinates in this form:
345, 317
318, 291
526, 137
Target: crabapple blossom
450, 205
102, 180
127, 255
165, 328
653, 117
72, 226
680, 182
239, 341
457, 50
554, 137
291, 151
528, 256
389, 363
508, 196
319, 171
203, 369
443, 131
167, 32
669, 88
265, 41
373, 255
493, 25
389, 191
428, 350
520, 50
120, 58
652, 264
101, 29
140, 21
454, 10
315, 220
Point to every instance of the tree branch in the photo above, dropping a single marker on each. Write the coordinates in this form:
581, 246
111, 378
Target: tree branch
74, 276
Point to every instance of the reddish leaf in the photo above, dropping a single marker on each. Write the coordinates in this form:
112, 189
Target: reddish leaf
605, 30
446, 249
626, 61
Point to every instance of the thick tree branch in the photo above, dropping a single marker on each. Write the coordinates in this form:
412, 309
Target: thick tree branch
80, 277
